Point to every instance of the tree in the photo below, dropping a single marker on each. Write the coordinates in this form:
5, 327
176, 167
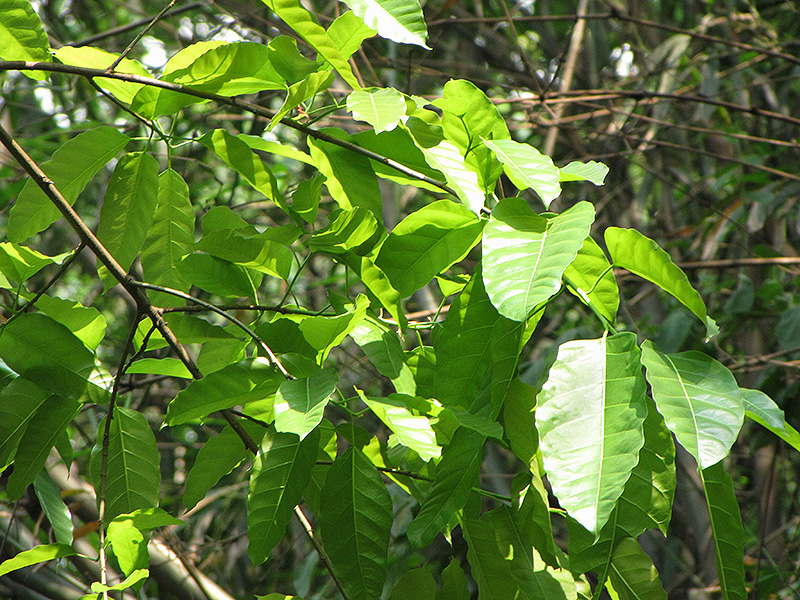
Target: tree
254, 318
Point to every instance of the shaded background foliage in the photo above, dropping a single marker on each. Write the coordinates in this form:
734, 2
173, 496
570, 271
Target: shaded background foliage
691, 105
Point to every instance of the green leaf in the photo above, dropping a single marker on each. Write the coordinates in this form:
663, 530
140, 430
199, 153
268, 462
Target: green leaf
238, 155
579, 171
218, 457
642, 256
454, 583
526, 167
260, 251
46, 352
354, 230
19, 401
86, 322
303, 22
281, 471
589, 415
299, 403
95, 58
427, 242
272, 147
35, 556
301, 92
22, 36
525, 254
51, 419
57, 513
700, 401
531, 509
215, 275
131, 580
73, 165
125, 534
171, 367
763, 410
519, 422
20, 263
348, 32
171, 237
134, 472
356, 520
288, 61
456, 474
349, 177
591, 279
398, 20
377, 283
235, 384
385, 352
416, 583
129, 206
412, 431
726, 525
380, 107
633, 575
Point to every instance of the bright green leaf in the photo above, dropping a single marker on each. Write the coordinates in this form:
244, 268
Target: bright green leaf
19, 263
385, 352
591, 279
580, 171
73, 165
299, 403
526, 167
95, 58
215, 275
86, 322
22, 36
380, 107
763, 410
260, 251
354, 230
348, 32
302, 91
36, 555
525, 254
412, 431
131, 580
398, 20
171, 367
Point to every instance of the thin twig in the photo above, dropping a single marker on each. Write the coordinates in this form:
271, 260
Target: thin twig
131, 26
141, 34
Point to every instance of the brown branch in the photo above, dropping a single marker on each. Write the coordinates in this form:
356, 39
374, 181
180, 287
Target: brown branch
19, 65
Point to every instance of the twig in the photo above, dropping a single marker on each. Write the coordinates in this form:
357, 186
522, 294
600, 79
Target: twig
141, 34
135, 25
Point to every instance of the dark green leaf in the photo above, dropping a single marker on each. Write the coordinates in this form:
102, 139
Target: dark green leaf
260, 251
633, 575
215, 275
218, 457
19, 401
57, 513
416, 583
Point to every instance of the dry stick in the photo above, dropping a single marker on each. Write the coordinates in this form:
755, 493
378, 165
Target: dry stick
569, 70
20, 65
143, 305
141, 34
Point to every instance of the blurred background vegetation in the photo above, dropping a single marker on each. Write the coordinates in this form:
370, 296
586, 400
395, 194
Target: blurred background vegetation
693, 106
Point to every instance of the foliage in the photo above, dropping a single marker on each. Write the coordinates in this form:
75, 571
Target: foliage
266, 331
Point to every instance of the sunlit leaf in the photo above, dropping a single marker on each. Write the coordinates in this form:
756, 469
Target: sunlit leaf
86, 322
633, 575
380, 107
259, 251
301, 92
456, 473
631, 250
427, 242
131, 580
584, 171
525, 254
412, 431
281, 471
398, 20
354, 230
589, 415
385, 352
20, 263
96, 58
763, 410
700, 401
299, 403
526, 167
347, 32
22, 36
591, 279
356, 520
170, 367
726, 525
36, 555
73, 165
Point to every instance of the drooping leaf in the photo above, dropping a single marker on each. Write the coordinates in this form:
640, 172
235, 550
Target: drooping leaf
235, 384
456, 474
700, 401
349, 177
95, 58
398, 20
354, 230
238, 155
356, 520
43, 350
412, 431
131, 580
302, 91
281, 472
303, 22
19, 401
385, 352
525, 254
289, 61
51, 418
171, 237
631, 250
129, 206
590, 277
299, 403
73, 165
726, 525
380, 107
22, 35
531, 508
633, 575
134, 472
86, 322
589, 415
19, 263
526, 167
427, 242
584, 171
258, 251
348, 32
57, 513
763, 410
36, 555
